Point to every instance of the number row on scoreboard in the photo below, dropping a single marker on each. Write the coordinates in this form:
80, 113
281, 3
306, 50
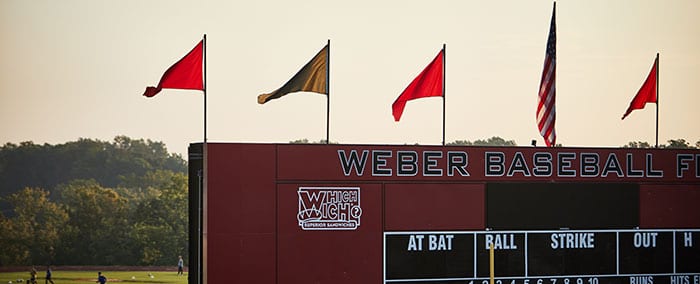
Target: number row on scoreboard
585, 279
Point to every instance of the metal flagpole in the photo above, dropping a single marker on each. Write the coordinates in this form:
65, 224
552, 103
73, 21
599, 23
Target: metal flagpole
657, 99
444, 54
328, 92
203, 192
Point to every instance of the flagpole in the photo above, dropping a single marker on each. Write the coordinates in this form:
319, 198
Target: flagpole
328, 92
444, 54
203, 192
657, 100
204, 85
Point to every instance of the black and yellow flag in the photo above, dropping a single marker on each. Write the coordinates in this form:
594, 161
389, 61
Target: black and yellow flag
311, 78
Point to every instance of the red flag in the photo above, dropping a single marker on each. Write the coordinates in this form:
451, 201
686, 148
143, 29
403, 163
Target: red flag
546, 114
647, 93
427, 84
184, 74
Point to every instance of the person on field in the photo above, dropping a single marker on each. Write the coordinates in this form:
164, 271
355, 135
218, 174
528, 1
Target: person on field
180, 264
32, 273
101, 278
48, 275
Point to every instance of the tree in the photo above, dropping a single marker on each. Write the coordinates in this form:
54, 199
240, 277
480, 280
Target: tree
100, 219
637, 144
46, 166
493, 141
672, 144
306, 141
123, 202
459, 143
160, 220
36, 230
300, 141
678, 144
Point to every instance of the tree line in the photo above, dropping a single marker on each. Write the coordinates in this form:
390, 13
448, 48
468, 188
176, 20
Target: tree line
92, 202
672, 144
498, 141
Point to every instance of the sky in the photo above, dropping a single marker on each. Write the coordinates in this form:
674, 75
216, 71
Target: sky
78, 68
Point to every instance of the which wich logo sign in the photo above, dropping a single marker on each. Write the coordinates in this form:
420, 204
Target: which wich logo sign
329, 208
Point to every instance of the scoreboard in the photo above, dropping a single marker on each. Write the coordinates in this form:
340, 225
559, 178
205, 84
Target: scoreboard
545, 257
311, 213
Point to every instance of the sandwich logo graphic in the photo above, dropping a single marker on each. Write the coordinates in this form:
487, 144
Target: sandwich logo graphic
329, 208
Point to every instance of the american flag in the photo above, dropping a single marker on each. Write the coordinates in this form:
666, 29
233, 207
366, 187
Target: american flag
546, 113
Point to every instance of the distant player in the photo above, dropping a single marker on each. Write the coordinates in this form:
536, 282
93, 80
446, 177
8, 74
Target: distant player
101, 278
48, 275
180, 264
32, 273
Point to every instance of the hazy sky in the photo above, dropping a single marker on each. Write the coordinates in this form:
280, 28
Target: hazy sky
77, 68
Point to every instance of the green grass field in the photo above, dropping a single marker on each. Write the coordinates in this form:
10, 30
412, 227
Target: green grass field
75, 277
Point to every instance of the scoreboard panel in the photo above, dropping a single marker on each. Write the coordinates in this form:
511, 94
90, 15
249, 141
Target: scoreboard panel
291, 213
562, 205
669, 205
434, 206
590, 256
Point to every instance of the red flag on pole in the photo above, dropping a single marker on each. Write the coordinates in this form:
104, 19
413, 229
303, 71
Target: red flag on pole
546, 113
427, 84
184, 74
646, 94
